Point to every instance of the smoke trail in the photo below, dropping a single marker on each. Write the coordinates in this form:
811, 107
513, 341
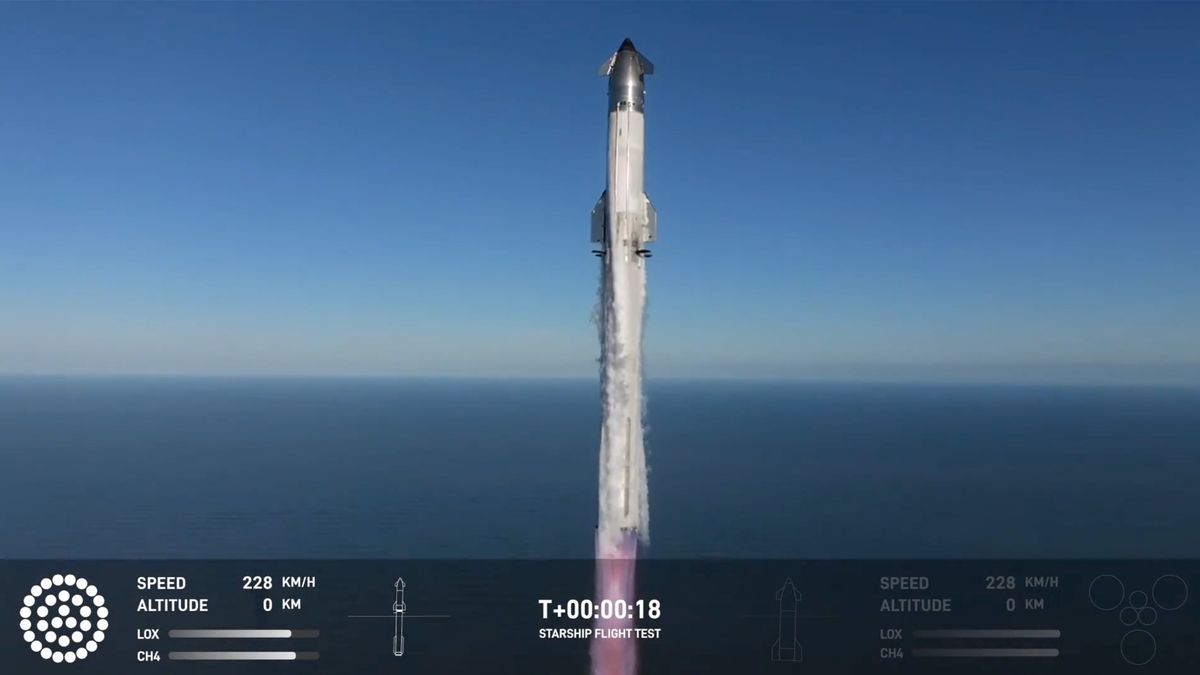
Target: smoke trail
623, 507
623, 490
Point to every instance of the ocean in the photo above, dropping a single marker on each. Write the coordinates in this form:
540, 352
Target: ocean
399, 468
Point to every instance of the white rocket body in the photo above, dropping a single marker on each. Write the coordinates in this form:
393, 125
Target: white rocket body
623, 222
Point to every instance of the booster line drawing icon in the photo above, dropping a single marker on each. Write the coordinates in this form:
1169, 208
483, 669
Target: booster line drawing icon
398, 610
787, 642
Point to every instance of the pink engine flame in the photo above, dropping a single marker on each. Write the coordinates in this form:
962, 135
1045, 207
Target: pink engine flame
615, 566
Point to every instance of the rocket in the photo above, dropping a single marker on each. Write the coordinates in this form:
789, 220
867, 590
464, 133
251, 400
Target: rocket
623, 224
624, 220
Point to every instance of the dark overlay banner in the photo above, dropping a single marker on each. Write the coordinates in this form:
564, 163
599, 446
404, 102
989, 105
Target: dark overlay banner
773, 617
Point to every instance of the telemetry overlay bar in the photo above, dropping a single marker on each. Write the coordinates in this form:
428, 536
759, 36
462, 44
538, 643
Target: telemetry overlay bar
243, 656
999, 633
985, 652
222, 633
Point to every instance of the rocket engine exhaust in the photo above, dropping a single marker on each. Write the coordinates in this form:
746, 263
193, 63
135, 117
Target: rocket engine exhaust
615, 581
623, 223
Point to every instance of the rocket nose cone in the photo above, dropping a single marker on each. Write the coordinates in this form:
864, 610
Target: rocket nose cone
627, 46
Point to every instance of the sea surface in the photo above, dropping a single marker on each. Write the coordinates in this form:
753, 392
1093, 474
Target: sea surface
348, 468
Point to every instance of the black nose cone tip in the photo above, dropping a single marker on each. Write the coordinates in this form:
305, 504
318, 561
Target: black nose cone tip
627, 46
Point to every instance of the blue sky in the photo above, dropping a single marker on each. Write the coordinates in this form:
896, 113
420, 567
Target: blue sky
387, 189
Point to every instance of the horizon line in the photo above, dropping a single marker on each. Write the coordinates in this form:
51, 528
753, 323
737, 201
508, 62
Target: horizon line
977, 379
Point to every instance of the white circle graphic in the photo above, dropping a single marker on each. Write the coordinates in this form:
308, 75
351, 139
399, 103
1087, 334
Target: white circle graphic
63, 633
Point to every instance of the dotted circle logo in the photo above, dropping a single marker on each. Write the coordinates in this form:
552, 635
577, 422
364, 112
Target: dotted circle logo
63, 618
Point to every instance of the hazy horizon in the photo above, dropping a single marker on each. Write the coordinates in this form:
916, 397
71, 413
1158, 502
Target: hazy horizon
1166, 375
